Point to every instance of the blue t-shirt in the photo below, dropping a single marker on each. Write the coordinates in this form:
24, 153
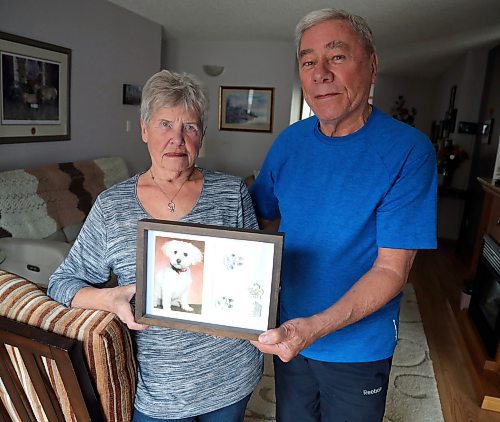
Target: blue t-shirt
340, 199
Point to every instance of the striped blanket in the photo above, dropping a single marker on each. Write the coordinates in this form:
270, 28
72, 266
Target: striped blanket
37, 203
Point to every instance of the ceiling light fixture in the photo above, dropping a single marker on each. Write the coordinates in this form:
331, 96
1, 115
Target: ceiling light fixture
213, 70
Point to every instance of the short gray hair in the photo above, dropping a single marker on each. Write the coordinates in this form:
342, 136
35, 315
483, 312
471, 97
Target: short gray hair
316, 17
169, 89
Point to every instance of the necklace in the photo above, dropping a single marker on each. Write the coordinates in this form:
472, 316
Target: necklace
171, 203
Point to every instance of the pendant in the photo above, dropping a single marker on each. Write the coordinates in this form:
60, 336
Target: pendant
171, 206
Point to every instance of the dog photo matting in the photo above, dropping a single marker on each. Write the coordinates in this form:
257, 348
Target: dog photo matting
216, 280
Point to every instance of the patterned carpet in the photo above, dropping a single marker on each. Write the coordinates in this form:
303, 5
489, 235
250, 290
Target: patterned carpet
412, 395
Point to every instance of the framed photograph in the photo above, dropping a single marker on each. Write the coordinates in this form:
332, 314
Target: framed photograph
34, 90
486, 129
132, 94
246, 109
207, 279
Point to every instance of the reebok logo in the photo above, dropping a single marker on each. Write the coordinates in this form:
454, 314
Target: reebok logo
370, 392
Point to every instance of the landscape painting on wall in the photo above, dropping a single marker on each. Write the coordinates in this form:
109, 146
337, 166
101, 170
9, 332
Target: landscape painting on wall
246, 109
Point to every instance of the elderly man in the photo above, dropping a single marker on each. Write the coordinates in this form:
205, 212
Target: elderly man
355, 194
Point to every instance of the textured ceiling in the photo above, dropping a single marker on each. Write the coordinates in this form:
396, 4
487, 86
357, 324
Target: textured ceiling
413, 37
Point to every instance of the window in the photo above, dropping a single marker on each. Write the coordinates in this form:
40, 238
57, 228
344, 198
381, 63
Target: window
305, 110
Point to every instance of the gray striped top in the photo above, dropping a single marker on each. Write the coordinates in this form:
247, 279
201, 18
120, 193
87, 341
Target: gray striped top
180, 374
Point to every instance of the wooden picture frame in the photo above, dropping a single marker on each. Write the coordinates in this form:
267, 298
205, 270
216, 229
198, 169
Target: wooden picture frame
230, 289
34, 90
246, 108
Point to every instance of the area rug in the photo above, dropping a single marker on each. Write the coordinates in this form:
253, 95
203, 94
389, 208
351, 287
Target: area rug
412, 395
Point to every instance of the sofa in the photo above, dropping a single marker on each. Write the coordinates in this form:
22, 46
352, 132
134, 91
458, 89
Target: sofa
107, 349
42, 210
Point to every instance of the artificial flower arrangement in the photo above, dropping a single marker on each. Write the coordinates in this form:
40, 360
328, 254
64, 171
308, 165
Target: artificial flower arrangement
403, 113
449, 158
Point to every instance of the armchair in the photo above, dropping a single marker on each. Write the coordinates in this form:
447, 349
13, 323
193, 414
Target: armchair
40, 368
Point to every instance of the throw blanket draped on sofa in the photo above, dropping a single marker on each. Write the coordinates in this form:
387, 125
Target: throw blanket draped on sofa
43, 209
37, 203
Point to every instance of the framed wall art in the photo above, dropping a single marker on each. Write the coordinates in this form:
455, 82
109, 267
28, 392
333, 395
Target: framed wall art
486, 130
34, 90
246, 109
208, 279
132, 94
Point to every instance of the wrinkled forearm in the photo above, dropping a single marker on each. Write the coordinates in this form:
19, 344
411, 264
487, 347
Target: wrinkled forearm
113, 299
93, 298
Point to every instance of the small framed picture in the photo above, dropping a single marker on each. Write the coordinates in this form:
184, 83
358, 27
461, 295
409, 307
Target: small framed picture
486, 129
132, 94
246, 109
209, 279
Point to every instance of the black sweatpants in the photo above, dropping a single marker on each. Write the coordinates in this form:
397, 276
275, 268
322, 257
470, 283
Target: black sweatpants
312, 391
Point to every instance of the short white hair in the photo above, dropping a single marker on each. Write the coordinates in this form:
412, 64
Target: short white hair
359, 25
170, 89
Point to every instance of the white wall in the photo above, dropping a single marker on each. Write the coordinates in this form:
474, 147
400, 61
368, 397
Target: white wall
110, 46
252, 64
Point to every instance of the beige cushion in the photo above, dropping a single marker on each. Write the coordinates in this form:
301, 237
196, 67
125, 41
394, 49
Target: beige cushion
33, 259
58, 235
106, 342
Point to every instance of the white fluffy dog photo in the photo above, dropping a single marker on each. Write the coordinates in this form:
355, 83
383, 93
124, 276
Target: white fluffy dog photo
172, 282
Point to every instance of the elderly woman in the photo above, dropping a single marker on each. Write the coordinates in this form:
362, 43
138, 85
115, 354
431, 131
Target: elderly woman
181, 375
